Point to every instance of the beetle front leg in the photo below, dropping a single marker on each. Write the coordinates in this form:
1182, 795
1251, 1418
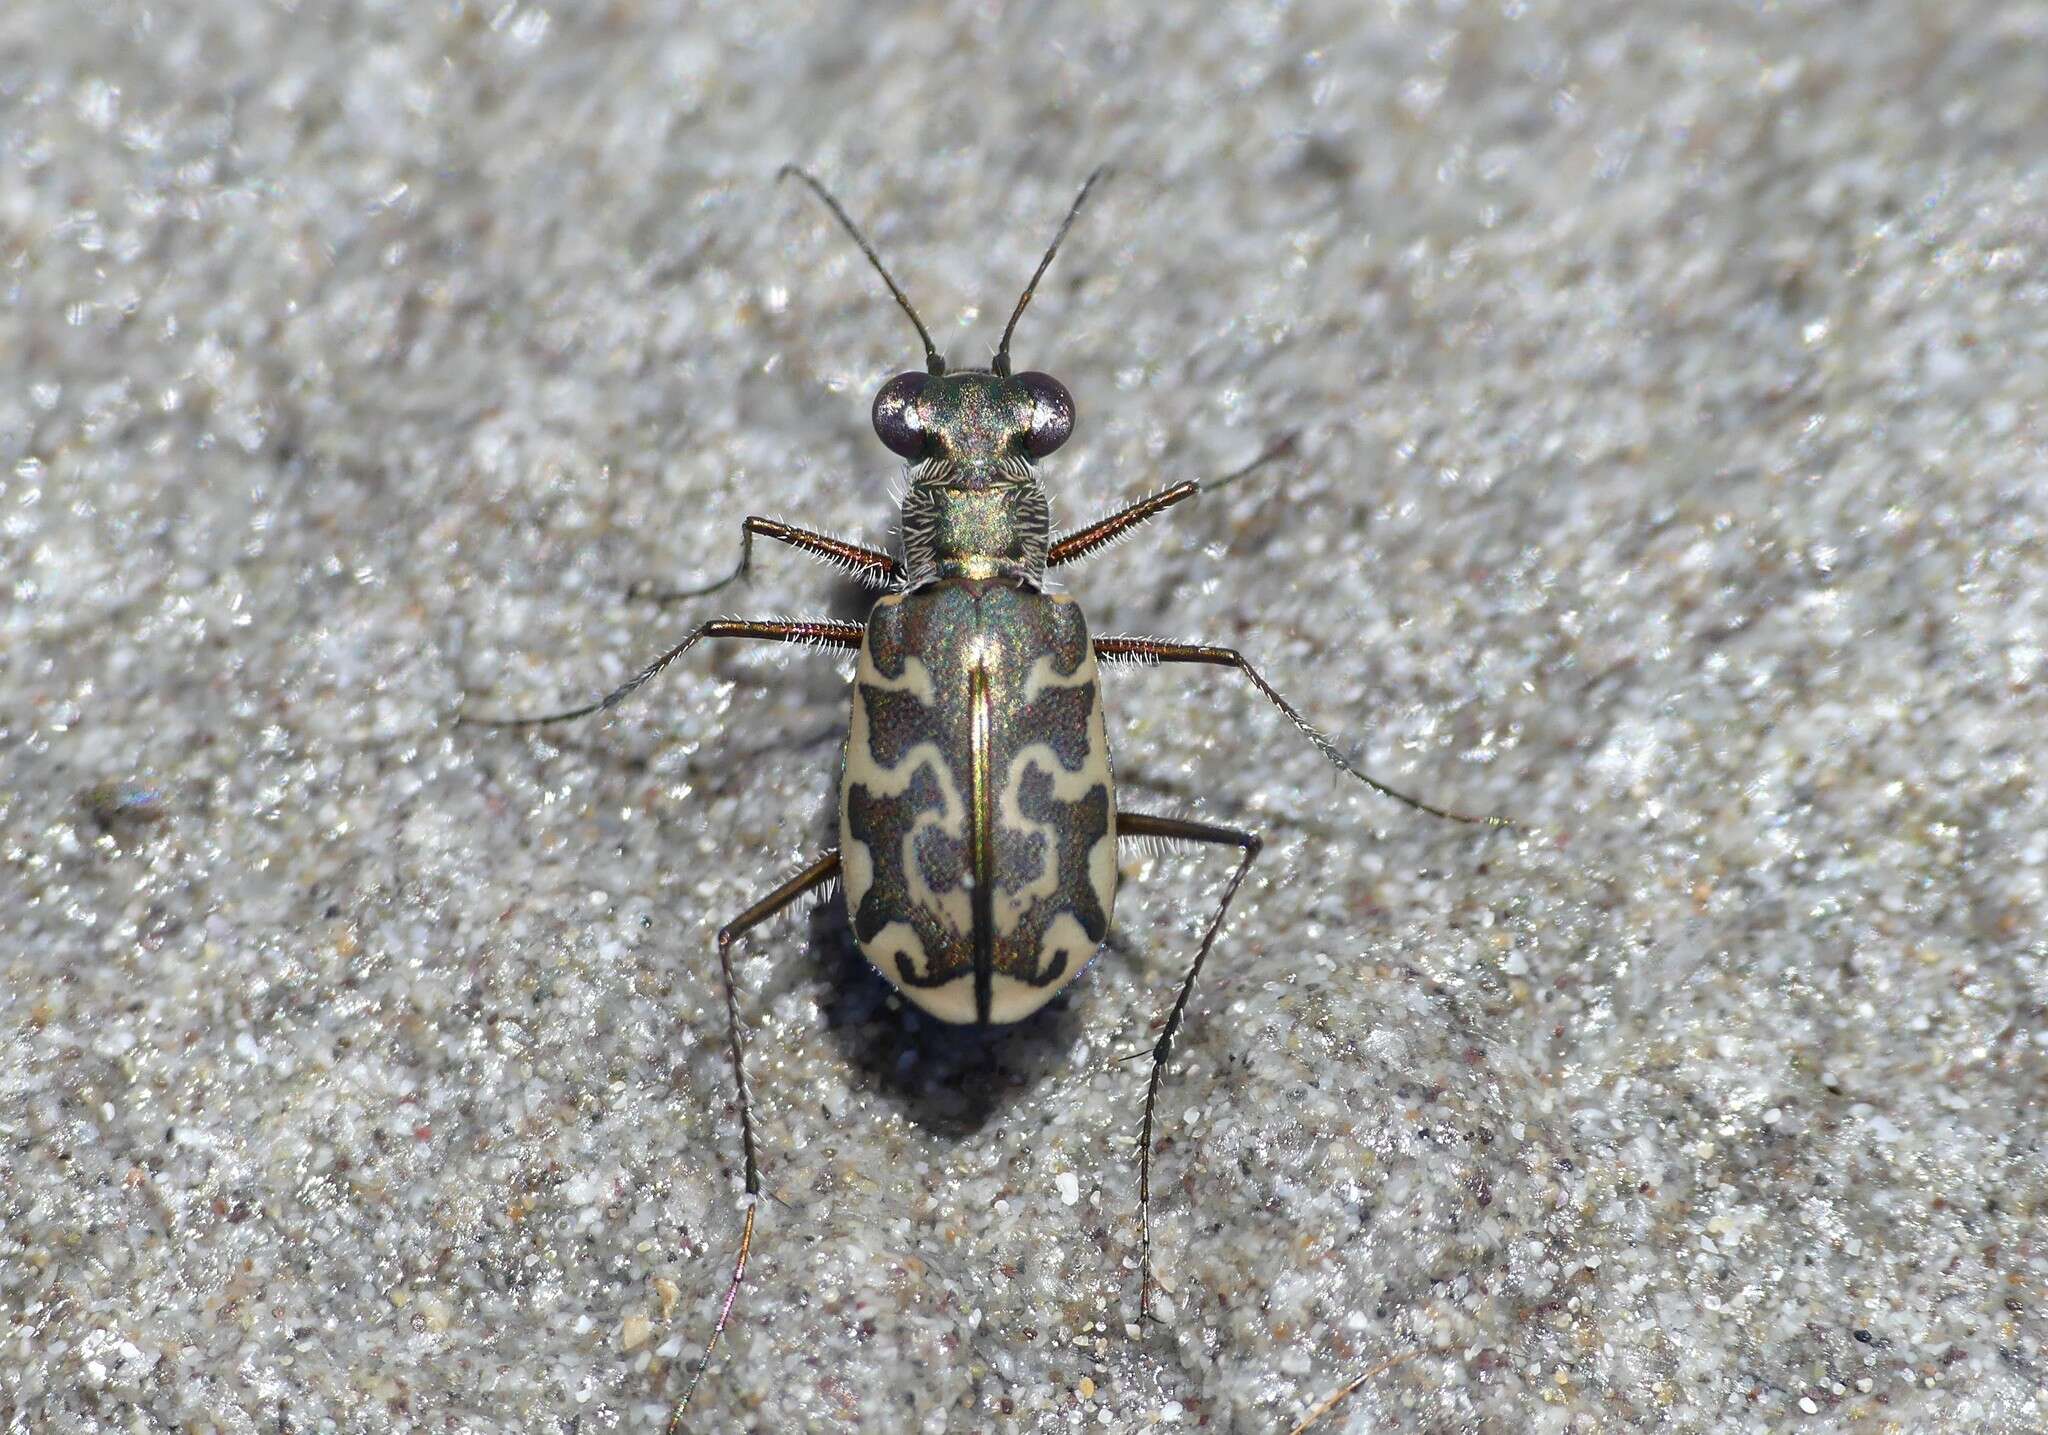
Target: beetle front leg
865, 565
1152, 650
1072, 547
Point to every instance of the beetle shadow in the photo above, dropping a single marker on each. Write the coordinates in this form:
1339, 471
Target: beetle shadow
848, 600
950, 1079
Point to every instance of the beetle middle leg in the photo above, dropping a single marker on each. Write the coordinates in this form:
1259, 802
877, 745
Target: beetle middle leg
812, 632
1153, 650
865, 565
1175, 829
816, 875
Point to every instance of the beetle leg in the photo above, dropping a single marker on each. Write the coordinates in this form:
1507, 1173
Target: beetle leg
1081, 542
1174, 829
1350, 1388
817, 632
877, 570
816, 875
1152, 650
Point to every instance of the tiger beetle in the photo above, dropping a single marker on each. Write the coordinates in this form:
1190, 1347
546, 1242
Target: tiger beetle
978, 823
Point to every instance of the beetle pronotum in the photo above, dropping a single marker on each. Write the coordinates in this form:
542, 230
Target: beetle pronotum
977, 815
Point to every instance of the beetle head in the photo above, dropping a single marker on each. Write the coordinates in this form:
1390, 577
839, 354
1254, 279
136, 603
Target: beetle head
973, 421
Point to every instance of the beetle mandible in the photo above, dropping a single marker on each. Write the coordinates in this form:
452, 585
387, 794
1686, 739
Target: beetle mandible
977, 812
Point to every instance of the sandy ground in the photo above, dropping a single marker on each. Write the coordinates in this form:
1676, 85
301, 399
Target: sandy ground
1668, 383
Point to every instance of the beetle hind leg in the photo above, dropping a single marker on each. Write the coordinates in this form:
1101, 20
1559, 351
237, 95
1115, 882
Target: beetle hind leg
812, 877
1175, 829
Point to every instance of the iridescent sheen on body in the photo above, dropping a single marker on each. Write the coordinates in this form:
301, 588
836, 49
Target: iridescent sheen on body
974, 509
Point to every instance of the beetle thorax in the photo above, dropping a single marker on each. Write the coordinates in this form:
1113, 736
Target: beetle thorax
974, 509
992, 528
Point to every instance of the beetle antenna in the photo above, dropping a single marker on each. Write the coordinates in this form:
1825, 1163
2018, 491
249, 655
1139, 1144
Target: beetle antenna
933, 361
1001, 364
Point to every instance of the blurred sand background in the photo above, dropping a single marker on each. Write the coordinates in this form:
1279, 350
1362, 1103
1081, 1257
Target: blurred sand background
1668, 382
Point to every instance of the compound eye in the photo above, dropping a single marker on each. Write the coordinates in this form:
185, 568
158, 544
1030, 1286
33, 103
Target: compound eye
898, 423
1052, 413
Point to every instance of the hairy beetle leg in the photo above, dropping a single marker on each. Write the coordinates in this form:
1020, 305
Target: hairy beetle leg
864, 565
